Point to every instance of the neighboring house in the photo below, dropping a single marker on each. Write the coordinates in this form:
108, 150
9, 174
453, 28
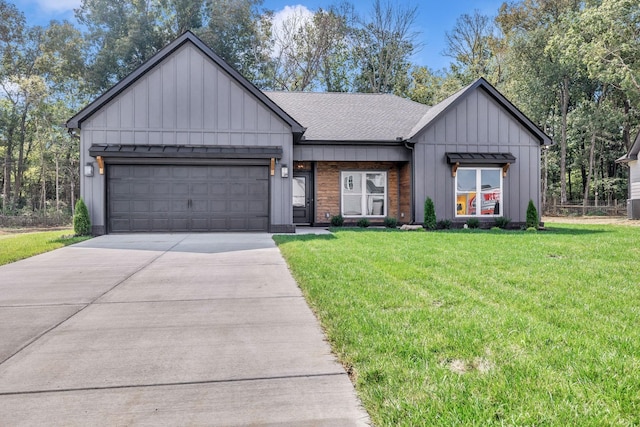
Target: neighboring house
631, 160
185, 143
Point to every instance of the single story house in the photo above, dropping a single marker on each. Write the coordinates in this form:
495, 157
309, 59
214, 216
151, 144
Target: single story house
185, 143
631, 160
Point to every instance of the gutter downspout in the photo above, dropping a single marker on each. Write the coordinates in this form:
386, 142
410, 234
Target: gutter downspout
408, 144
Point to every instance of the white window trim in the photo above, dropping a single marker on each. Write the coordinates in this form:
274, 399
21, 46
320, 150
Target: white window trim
363, 200
478, 191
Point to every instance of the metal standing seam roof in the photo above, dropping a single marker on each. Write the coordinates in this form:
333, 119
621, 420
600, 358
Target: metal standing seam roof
190, 151
332, 116
479, 158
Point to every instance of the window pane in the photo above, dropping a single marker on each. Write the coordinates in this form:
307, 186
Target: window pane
375, 205
466, 179
466, 192
375, 183
490, 183
466, 203
352, 205
299, 195
352, 183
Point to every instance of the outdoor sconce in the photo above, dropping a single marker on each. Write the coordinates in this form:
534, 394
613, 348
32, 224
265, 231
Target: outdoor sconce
284, 171
88, 169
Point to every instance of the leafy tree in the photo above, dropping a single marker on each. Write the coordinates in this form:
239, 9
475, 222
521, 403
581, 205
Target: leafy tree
471, 44
239, 32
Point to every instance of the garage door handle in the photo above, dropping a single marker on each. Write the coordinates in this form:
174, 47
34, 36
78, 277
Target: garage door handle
189, 203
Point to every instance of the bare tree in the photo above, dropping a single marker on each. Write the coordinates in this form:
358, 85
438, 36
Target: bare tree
304, 48
470, 45
383, 45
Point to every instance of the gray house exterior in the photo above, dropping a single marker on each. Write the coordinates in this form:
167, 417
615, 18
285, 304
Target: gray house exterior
631, 160
185, 143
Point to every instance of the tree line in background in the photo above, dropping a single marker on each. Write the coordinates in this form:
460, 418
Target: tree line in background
571, 66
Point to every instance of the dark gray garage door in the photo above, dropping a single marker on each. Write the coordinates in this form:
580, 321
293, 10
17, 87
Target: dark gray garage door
169, 198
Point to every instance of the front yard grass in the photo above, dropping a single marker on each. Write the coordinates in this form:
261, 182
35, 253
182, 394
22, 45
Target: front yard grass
17, 246
481, 327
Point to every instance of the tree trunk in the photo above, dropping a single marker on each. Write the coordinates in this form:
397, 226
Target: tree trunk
592, 150
57, 185
563, 140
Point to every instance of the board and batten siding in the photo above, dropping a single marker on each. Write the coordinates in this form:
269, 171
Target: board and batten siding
186, 99
351, 153
476, 124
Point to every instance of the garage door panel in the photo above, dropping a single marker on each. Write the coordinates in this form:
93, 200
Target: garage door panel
160, 188
160, 172
187, 198
180, 172
160, 206
141, 224
199, 188
219, 207
141, 207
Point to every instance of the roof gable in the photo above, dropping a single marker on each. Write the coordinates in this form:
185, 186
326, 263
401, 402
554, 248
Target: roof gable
440, 109
188, 37
633, 151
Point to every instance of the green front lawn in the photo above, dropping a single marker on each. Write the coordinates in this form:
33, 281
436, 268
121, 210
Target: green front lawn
14, 247
482, 327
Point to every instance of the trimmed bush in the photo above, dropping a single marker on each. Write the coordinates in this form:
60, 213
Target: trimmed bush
363, 223
532, 215
390, 222
429, 214
337, 220
473, 223
502, 222
444, 224
81, 220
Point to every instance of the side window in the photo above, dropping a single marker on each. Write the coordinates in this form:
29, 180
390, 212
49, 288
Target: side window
478, 192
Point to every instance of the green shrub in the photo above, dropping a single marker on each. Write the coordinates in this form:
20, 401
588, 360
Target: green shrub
531, 229
390, 222
473, 223
444, 224
429, 214
81, 220
337, 220
502, 222
532, 215
363, 223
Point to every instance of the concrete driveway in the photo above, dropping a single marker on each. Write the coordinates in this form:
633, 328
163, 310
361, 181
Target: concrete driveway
165, 329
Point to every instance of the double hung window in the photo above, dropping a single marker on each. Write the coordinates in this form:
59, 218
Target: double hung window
363, 193
478, 192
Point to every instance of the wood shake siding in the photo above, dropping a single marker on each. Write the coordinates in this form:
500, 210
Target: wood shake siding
328, 184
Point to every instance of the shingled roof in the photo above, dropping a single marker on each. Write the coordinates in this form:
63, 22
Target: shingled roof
351, 116
362, 117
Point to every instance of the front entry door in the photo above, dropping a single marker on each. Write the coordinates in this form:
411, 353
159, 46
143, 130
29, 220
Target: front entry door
303, 197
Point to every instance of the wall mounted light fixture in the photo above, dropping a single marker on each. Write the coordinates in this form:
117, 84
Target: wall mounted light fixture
284, 171
88, 169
